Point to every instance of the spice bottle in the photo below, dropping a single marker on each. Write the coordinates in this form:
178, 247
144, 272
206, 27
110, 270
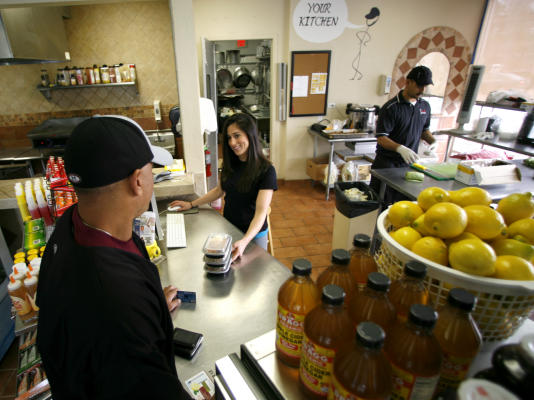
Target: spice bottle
459, 338
415, 355
118, 78
79, 76
89, 76
327, 328
363, 371
112, 76
17, 293
45, 79
133, 75
373, 304
409, 289
296, 298
104, 74
73, 79
361, 261
96, 72
339, 274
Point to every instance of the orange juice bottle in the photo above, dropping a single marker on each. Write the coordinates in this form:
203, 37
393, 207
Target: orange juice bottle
363, 371
409, 289
296, 298
459, 338
372, 303
327, 328
415, 355
361, 261
339, 274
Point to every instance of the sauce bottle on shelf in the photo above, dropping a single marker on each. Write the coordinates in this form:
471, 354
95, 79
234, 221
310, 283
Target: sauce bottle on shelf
296, 298
104, 74
96, 72
459, 338
30, 283
415, 355
409, 289
17, 293
362, 372
327, 328
373, 304
339, 274
361, 261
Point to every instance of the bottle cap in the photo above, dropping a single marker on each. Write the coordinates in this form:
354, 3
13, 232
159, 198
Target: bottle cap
361, 240
301, 266
526, 346
415, 269
340, 256
370, 334
333, 294
422, 315
461, 298
378, 281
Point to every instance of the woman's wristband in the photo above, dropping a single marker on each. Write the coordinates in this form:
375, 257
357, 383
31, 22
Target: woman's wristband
191, 204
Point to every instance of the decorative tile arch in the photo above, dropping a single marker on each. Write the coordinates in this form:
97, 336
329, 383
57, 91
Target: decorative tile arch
454, 46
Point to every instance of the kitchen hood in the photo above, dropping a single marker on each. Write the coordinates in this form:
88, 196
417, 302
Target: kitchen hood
32, 35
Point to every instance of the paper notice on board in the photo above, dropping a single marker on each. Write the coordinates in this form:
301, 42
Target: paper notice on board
318, 83
300, 86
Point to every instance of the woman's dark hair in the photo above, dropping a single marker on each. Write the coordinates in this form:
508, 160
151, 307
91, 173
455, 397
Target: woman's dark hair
256, 163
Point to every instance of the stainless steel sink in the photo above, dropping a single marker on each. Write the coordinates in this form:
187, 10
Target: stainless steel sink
162, 138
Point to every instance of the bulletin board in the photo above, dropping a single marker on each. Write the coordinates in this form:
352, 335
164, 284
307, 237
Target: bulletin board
310, 72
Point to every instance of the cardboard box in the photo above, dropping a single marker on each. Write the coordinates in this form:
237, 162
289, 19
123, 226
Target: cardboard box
487, 172
315, 168
363, 163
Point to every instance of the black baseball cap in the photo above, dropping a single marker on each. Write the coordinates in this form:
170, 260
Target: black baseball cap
105, 149
421, 75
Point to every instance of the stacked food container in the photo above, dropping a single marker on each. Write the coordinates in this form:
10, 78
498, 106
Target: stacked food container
218, 253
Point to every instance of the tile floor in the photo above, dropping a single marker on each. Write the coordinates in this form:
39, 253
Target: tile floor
301, 222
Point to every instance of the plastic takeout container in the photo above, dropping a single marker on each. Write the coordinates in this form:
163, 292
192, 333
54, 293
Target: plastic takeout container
217, 245
221, 269
217, 261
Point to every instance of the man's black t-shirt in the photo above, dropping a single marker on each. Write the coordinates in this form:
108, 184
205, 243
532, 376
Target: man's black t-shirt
239, 208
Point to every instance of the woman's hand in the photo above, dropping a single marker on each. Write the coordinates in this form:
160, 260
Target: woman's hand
238, 248
170, 296
184, 205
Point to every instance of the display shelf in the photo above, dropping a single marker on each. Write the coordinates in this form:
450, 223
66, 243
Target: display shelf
47, 91
501, 106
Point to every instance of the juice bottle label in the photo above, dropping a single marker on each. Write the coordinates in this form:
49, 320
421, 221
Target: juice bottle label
338, 392
408, 386
289, 332
316, 366
453, 370
21, 305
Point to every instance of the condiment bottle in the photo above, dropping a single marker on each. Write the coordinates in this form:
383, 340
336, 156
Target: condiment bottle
118, 78
104, 74
372, 303
112, 76
363, 371
21, 202
415, 355
459, 338
73, 78
96, 72
17, 293
361, 261
296, 298
45, 79
133, 75
79, 76
339, 274
30, 283
90, 75
409, 289
327, 328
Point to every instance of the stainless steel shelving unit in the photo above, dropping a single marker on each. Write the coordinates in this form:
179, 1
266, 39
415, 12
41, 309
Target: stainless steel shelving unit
47, 91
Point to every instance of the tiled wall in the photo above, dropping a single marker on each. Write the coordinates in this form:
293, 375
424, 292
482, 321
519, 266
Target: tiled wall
136, 32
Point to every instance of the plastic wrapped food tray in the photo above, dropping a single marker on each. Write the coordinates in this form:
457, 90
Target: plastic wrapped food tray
503, 305
217, 245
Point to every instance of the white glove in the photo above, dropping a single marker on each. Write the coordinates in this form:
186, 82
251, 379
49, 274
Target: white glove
408, 155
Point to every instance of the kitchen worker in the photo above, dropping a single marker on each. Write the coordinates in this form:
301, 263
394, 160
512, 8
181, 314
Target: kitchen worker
104, 328
247, 183
402, 122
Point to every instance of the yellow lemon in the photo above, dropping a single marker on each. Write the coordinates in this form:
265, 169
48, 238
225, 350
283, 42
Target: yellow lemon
512, 247
430, 196
431, 248
462, 236
469, 196
472, 256
403, 213
445, 220
485, 222
419, 226
521, 238
516, 206
513, 267
406, 236
523, 227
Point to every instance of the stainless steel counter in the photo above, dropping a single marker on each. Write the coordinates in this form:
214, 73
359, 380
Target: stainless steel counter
231, 309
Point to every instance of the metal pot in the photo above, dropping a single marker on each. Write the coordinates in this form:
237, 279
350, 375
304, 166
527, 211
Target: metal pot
224, 79
362, 117
232, 57
220, 57
241, 77
256, 77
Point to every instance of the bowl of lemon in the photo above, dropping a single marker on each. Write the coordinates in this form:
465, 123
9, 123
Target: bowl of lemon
466, 241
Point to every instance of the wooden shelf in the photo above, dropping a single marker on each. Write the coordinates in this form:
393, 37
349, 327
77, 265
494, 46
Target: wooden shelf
47, 91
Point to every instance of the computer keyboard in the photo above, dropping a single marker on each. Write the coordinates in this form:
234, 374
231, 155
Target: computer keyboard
175, 231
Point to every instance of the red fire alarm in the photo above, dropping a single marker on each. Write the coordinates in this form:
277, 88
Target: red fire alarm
241, 43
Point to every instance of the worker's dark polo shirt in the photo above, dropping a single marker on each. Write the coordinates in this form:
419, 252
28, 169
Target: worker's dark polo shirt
403, 123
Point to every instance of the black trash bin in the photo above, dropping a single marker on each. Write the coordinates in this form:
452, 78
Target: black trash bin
352, 217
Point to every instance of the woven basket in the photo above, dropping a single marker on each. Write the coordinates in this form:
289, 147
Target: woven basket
503, 305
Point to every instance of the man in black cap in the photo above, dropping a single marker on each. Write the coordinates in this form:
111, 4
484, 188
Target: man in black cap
402, 122
104, 327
